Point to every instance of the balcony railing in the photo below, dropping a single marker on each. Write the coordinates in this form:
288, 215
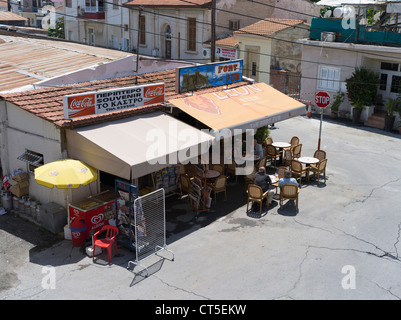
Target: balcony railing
95, 13
377, 35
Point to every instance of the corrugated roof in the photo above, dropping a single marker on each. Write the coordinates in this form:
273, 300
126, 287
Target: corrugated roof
11, 16
268, 26
47, 103
25, 61
169, 3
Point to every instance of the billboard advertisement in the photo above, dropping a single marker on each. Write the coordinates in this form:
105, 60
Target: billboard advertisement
90, 103
208, 75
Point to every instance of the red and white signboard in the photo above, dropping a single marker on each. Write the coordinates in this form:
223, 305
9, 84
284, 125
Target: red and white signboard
322, 99
226, 53
90, 103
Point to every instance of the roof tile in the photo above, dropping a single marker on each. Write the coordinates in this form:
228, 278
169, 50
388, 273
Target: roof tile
47, 103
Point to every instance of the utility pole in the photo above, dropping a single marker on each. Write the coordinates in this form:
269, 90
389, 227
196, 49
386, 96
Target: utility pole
9, 5
213, 45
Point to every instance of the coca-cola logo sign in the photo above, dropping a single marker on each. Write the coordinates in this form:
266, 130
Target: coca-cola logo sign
91, 103
154, 92
81, 103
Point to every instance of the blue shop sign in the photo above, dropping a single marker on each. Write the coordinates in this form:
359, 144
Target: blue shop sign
208, 75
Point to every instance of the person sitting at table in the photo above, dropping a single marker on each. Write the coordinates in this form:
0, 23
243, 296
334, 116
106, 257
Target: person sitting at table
287, 179
257, 149
239, 160
263, 180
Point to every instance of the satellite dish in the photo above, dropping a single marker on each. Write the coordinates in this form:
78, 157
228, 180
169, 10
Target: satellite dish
338, 12
327, 14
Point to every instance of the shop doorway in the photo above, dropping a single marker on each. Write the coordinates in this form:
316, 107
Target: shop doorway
252, 62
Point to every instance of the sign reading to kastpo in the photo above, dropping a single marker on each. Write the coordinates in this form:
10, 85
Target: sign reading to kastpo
90, 103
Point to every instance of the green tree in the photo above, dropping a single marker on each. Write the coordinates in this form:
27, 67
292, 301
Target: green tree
58, 30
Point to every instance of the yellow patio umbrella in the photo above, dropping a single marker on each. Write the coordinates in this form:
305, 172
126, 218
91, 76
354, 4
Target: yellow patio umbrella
65, 174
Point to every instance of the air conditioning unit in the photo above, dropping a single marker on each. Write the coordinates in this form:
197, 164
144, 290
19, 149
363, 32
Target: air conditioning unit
328, 36
206, 52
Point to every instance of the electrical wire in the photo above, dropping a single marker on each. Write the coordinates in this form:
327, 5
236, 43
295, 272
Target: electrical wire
206, 23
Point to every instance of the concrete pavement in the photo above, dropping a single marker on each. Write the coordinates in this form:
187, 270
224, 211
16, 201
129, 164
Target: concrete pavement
344, 242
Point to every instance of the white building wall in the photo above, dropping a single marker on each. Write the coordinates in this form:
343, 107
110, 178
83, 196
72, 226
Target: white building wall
22, 131
156, 24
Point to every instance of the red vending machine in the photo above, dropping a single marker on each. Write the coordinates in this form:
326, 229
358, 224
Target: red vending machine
92, 213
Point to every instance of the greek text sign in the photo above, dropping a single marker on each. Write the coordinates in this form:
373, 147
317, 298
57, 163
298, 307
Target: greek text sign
208, 75
90, 103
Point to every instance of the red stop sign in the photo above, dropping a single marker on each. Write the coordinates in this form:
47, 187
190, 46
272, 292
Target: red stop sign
322, 99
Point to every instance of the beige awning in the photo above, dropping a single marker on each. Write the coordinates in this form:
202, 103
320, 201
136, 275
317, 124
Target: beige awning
136, 146
247, 107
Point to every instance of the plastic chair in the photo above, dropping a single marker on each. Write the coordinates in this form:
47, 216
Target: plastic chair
106, 242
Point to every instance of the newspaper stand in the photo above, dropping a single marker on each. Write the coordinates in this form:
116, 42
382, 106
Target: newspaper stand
143, 223
124, 219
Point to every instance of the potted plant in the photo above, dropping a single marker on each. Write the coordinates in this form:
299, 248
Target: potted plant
361, 90
338, 99
399, 113
392, 106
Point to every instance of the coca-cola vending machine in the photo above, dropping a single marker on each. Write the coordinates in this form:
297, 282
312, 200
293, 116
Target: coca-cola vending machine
95, 211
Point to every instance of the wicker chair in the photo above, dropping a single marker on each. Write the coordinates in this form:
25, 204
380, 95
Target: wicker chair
297, 170
231, 167
255, 193
219, 185
262, 162
268, 140
289, 192
320, 154
294, 141
287, 157
185, 184
319, 169
280, 174
250, 178
219, 168
296, 151
272, 154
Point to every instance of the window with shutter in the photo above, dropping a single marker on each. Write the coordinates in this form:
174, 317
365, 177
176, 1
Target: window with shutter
191, 27
328, 79
142, 30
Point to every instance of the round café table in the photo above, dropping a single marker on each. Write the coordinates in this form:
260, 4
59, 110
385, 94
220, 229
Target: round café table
281, 145
212, 174
308, 160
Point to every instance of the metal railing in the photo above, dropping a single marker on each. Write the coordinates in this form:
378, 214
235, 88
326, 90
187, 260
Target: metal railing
149, 226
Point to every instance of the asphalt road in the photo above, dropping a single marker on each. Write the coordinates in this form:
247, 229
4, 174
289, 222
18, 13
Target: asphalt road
344, 242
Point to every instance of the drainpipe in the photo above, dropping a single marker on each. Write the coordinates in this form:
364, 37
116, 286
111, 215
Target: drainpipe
213, 45
137, 40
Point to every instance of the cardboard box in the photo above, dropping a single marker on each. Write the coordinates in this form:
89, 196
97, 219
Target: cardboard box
21, 177
20, 189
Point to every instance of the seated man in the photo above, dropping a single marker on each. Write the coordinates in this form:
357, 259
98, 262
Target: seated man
287, 179
257, 149
263, 180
